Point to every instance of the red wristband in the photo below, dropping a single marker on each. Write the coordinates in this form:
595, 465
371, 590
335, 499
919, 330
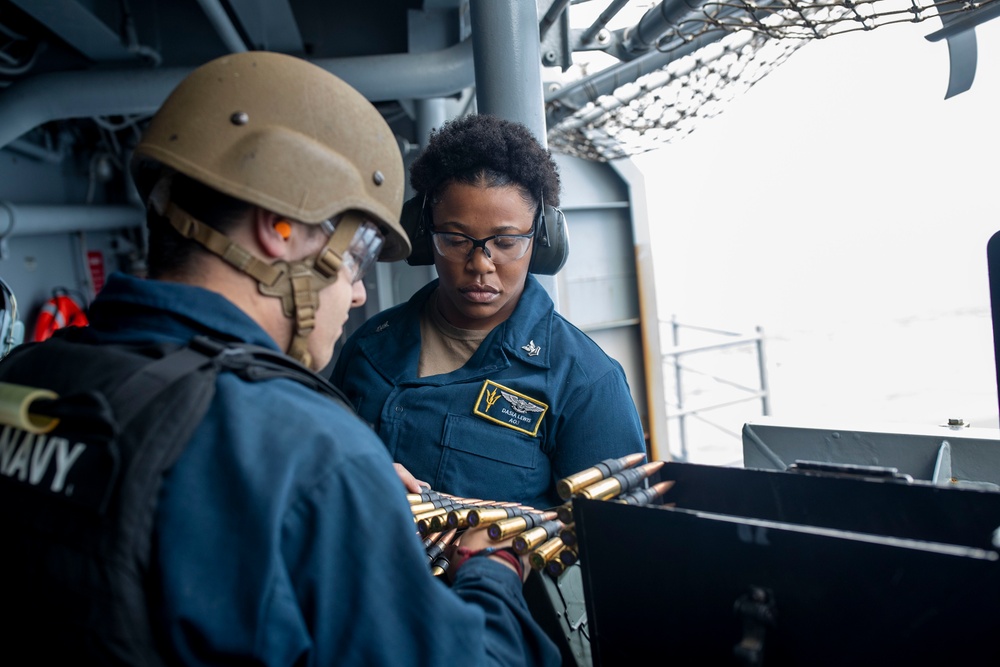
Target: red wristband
507, 553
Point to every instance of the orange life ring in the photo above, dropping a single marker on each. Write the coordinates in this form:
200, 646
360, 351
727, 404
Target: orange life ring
58, 312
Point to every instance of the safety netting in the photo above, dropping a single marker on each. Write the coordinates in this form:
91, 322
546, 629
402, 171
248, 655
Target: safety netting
703, 61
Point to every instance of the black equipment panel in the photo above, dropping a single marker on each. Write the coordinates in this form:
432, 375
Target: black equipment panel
814, 580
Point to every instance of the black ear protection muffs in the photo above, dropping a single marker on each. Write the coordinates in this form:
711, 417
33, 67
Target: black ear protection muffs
549, 250
11, 328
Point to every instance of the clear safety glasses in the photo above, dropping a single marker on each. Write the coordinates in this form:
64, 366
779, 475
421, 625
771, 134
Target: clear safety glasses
499, 248
362, 250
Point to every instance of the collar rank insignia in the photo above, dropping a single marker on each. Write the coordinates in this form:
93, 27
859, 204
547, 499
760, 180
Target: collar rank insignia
532, 349
504, 406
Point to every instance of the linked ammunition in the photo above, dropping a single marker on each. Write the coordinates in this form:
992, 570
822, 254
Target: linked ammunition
568, 556
414, 498
482, 517
439, 545
424, 521
563, 559
546, 552
530, 539
429, 505
440, 565
568, 486
568, 535
620, 482
423, 516
437, 523
565, 512
459, 517
506, 527
645, 496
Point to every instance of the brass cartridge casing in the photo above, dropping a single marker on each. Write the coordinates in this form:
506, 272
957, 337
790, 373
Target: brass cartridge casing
602, 490
506, 527
481, 517
543, 554
565, 513
568, 486
530, 539
568, 556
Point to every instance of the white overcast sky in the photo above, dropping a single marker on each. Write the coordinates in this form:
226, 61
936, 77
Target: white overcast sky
844, 205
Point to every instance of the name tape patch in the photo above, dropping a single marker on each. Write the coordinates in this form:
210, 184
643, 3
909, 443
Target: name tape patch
504, 406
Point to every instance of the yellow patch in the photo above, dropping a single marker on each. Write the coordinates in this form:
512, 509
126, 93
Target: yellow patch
504, 406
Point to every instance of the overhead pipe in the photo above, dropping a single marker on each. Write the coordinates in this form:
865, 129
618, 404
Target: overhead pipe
657, 22
34, 101
223, 25
38, 219
597, 26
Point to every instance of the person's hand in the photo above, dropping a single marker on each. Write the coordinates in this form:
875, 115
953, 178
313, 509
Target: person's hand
412, 484
474, 540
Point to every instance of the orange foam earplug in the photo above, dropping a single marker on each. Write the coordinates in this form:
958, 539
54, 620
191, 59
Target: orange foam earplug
283, 228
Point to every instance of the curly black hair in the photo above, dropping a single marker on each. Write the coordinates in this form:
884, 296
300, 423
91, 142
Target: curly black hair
480, 149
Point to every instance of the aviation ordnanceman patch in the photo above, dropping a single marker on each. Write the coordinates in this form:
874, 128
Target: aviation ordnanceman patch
504, 406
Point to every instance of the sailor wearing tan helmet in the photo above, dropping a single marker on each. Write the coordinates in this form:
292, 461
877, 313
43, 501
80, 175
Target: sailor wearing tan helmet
281, 535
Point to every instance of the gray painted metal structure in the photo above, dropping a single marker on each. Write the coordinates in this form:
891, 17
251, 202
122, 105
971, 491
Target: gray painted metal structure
68, 119
78, 78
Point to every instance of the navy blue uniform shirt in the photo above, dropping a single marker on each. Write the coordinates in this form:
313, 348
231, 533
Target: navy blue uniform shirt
282, 534
538, 401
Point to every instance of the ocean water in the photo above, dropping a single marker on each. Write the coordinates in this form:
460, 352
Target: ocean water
843, 206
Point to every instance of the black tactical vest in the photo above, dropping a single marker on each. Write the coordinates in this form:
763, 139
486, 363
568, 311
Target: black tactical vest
77, 503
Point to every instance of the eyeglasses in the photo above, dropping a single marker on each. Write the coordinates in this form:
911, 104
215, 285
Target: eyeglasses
362, 250
499, 248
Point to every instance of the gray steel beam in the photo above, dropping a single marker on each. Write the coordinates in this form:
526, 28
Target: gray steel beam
77, 26
270, 26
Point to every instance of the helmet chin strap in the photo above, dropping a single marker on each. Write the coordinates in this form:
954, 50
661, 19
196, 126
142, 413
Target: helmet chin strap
296, 283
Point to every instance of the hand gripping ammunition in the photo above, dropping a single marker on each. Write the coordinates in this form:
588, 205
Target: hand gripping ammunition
620, 482
568, 486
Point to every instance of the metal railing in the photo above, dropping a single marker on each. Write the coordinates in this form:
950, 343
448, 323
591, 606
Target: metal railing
717, 381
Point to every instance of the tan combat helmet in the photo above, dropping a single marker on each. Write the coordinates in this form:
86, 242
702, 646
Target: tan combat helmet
284, 134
